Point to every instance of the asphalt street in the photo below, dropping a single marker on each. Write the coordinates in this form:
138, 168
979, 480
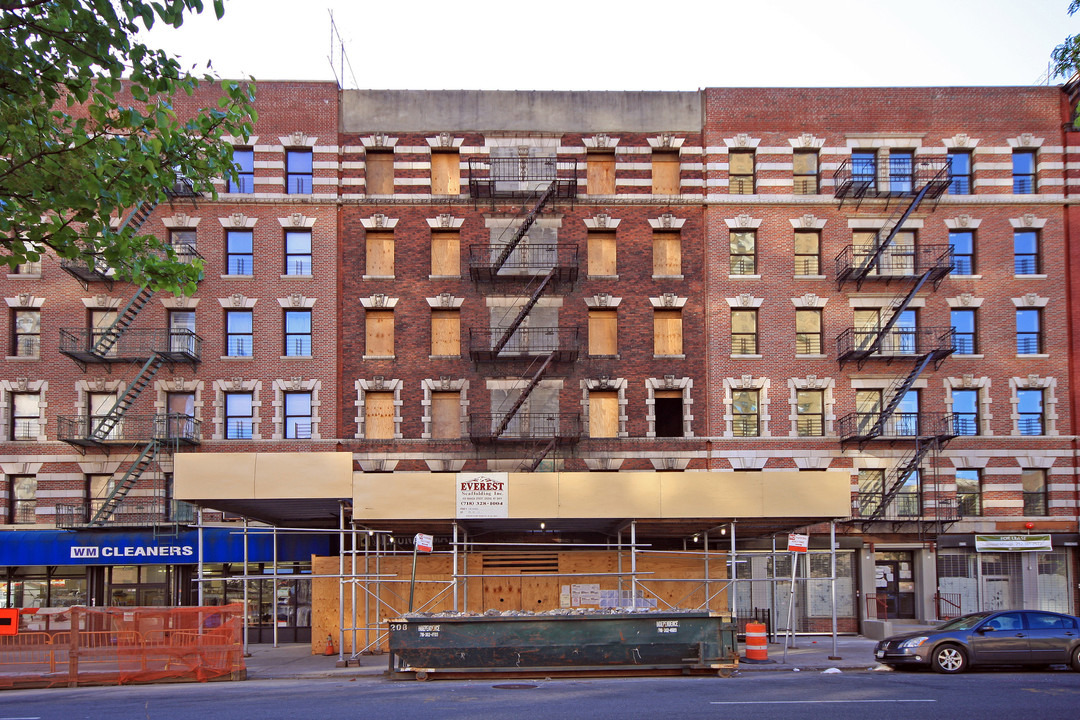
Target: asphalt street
1047, 695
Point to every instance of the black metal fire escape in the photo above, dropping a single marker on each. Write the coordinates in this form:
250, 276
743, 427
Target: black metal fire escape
883, 260
535, 270
153, 436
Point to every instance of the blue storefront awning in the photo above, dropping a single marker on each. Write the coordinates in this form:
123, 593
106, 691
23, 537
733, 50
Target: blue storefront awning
220, 545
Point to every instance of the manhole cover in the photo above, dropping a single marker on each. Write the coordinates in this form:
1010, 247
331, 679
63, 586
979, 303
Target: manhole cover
514, 686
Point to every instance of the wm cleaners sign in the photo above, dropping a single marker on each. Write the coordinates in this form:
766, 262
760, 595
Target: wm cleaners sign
115, 552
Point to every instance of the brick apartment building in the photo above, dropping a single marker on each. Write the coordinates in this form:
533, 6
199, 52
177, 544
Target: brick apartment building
654, 329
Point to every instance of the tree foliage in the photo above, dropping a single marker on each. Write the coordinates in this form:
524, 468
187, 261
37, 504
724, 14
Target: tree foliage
90, 131
1066, 56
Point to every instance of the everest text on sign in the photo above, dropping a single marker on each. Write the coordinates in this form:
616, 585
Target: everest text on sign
482, 495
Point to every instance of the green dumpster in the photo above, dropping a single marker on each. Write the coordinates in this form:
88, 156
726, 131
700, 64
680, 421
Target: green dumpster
656, 640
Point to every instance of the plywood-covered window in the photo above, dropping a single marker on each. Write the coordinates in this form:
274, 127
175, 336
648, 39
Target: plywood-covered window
445, 173
603, 332
741, 172
667, 332
380, 254
380, 172
601, 173
602, 253
379, 332
446, 332
603, 413
446, 253
445, 415
378, 415
665, 173
667, 252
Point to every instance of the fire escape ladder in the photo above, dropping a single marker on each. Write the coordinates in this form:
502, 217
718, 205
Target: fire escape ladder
110, 337
142, 463
543, 453
898, 394
892, 227
523, 313
909, 464
523, 229
525, 392
112, 418
897, 307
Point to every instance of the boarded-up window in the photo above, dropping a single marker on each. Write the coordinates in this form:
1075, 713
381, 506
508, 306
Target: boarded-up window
446, 332
380, 173
380, 254
741, 173
380, 333
379, 415
601, 173
602, 253
445, 173
603, 414
446, 253
667, 332
445, 414
603, 332
665, 173
667, 253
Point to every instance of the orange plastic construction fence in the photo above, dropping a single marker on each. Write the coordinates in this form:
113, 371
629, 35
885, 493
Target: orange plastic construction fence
116, 646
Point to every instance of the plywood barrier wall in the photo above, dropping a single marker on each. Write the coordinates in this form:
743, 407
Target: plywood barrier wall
502, 581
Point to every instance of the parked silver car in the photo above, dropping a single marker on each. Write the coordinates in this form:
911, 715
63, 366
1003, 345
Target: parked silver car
1007, 637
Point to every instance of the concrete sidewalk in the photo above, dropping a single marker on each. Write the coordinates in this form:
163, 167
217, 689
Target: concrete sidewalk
295, 661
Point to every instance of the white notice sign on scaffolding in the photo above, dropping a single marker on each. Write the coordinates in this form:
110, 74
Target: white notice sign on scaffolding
482, 495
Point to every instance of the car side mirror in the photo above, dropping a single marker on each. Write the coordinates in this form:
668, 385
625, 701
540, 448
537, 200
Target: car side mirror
986, 629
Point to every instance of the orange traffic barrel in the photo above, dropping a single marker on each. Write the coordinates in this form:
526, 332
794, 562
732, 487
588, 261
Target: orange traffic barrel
9, 621
757, 648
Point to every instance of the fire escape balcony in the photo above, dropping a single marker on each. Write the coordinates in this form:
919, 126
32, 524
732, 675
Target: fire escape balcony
525, 263
129, 512
865, 426
526, 344
859, 180
897, 262
172, 428
859, 344
132, 345
560, 428
517, 177
904, 506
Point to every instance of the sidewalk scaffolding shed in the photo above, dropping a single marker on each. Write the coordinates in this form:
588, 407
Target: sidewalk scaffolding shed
685, 641
121, 646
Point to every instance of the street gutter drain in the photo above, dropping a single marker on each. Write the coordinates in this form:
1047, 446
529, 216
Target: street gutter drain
514, 686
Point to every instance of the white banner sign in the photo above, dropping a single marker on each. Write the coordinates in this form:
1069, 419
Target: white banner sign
482, 495
1012, 543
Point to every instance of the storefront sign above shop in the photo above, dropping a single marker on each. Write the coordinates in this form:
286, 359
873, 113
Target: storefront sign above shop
1012, 543
482, 495
59, 547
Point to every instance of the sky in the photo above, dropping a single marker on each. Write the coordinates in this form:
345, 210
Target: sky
629, 45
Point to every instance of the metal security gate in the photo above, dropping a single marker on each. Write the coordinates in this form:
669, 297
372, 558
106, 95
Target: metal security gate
1000, 580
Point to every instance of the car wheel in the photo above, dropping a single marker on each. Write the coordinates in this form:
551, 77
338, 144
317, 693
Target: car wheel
1076, 659
949, 659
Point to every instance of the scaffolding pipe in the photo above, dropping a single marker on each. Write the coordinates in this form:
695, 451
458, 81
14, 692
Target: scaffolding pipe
832, 572
733, 597
201, 576
341, 582
708, 594
247, 608
352, 588
455, 574
367, 569
633, 564
273, 589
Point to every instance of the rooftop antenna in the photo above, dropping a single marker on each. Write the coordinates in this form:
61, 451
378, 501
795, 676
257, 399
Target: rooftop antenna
337, 51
